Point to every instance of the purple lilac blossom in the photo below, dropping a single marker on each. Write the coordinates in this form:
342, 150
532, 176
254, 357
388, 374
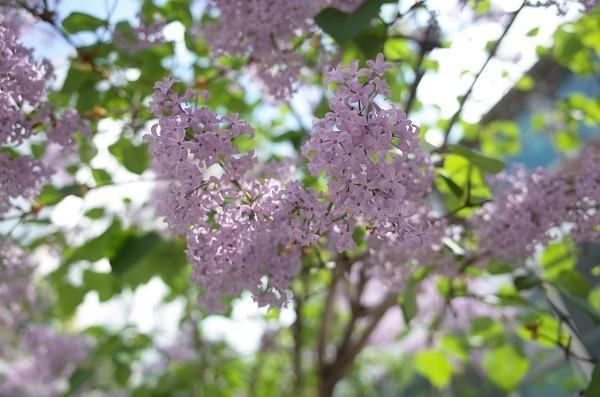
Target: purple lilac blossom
241, 233
378, 175
267, 39
49, 361
23, 111
528, 207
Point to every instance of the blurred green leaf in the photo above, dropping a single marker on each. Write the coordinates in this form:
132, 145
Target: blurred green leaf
525, 83
594, 298
408, 304
104, 283
78, 22
133, 249
558, 257
593, 388
505, 366
485, 164
95, 213
344, 27
100, 247
101, 177
573, 282
134, 158
435, 366
50, 195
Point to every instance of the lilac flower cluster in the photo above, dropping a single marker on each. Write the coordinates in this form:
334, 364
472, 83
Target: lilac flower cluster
23, 111
392, 258
21, 176
246, 229
264, 30
377, 171
145, 35
528, 206
16, 289
242, 233
23, 81
40, 359
562, 6
49, 360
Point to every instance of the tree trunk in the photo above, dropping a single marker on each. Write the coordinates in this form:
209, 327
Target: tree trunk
326, 386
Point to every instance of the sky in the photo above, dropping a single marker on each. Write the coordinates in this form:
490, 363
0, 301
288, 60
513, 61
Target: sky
437, 91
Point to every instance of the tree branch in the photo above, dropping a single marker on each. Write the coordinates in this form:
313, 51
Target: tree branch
327, 316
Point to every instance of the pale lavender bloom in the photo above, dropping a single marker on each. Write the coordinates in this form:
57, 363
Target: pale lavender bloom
264, 31
23, 81
23, 111
562, 6
377, 172
528, 206
20, 177
16, 288
49, 359
238, 229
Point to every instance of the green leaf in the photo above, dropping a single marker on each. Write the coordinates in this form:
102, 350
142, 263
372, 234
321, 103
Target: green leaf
593, 388
558, 257
244, 143
469, 179
408, 304
482, 6
133, 249
566, 141
134, 158
344, 27
538, 121
456, 347
590, 107
500, 138
68, 298
533, 32
594, 298
573, 282
485, 329
101, 177
79, 22
525, 282
296, 137
397, 49
435, 366
453, 186
543, 329
100, 247
104, 283
485, 164
51, 195
526, 83
505, 366
370, 41
95, 213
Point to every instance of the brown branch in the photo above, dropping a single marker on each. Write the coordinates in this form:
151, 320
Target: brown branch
419, 73
297, 330
376, 315
426, 45
327, 316
331, 373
